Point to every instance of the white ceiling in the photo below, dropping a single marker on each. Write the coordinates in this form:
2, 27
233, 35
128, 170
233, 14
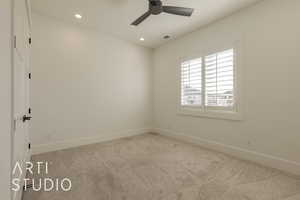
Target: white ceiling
115, 16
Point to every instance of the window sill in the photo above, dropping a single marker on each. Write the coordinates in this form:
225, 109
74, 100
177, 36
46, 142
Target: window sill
212, 114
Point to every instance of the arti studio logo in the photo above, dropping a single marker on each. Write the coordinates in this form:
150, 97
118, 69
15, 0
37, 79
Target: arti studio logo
42, 184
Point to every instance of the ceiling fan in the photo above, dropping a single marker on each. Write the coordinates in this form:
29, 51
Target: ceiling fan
156, 7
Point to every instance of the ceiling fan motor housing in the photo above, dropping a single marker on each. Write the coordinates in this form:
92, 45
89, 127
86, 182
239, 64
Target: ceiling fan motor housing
155, 7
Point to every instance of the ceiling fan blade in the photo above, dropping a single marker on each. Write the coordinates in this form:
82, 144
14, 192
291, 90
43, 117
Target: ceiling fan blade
178, 10
141, 18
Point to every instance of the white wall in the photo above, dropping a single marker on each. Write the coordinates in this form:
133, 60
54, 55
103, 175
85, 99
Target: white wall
86, 85
5, 99
89, 85
270, 34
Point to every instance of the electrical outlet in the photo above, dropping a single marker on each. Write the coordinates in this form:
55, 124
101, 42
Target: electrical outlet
249, 143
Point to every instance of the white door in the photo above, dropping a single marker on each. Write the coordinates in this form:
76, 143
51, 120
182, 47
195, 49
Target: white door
20, 90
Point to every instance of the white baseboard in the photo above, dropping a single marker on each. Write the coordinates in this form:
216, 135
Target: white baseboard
44, 148
263, 159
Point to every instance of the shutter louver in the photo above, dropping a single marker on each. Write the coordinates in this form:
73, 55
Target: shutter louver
191, 83
219, 79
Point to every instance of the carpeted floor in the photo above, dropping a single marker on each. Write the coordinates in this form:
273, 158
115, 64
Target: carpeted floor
151, 167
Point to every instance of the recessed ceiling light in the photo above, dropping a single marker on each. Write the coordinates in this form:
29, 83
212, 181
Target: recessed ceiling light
142, 39
78, 16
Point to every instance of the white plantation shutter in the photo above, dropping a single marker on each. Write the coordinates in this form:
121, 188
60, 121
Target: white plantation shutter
219, 79
191, 83
209, 83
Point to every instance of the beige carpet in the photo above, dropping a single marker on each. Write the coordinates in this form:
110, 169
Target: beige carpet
150, 167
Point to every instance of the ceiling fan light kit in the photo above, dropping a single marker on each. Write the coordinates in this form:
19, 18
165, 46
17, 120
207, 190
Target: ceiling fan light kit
156, 7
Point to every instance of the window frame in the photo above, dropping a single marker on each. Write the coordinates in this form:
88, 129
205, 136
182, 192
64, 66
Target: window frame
215, 112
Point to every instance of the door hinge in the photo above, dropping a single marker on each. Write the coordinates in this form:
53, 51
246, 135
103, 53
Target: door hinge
29, 40
27, 186
29, 75
29, 110
29, 145
15, 41
15, 125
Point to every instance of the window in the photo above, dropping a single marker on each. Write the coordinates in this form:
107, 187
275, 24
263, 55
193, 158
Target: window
191, 83
208, 83
219, 79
